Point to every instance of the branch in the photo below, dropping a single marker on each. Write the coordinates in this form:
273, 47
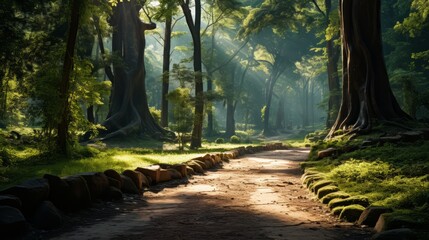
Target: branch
318, 8
230, 59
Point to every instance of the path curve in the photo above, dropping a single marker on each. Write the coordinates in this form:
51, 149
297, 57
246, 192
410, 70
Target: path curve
258, 196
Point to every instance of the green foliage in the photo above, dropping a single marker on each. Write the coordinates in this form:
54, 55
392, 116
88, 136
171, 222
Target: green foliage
219, 140
156, 114
392, 175
417, 20
234, 139
182, 112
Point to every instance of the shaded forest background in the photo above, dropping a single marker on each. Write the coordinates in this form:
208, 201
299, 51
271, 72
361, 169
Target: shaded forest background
79, 70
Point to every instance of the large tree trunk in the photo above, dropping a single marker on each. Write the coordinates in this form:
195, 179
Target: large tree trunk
195, 28
129, 111
333, 53
367, 96
334, 101
63, 125
166, 71
267, 131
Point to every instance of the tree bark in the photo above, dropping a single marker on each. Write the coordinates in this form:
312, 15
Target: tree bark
166, 71
280, 119
63, 125
230, 120
366, 96
129, 112
195, 28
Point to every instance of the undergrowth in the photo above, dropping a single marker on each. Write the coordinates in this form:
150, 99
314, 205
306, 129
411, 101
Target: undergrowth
391, 175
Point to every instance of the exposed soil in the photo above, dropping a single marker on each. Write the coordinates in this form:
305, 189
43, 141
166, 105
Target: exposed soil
258, 196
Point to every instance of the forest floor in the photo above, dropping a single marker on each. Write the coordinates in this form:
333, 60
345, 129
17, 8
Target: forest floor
258, 196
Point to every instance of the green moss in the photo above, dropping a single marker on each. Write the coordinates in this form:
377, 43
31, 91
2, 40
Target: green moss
319, 184
326, 190
361, 200
337, 210
341, 195
407, 219
352, 213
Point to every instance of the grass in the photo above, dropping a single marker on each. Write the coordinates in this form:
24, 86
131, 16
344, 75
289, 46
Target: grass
27, 161
390, 175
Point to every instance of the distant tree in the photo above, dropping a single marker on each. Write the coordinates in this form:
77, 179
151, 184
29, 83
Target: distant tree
63, 125
366, 96
182, 113
194, 25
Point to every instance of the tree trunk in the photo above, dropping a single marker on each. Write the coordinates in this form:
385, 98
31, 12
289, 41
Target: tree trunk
166, 71
210, 122
367, 96
129, 112
269, 95
230, 120
63, 125
195, 28
334, 101
90, 114
280, 119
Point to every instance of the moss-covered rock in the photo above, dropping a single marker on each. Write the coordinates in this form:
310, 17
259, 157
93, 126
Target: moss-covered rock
337, 211
361, 200
327, 198
352, 213
397, 234
316, 185
327, 190
312, 178
371, 214
402, 219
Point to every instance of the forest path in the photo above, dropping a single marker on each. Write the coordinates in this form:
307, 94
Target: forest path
258, 196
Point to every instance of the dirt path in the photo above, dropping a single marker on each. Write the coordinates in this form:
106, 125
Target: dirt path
258, 196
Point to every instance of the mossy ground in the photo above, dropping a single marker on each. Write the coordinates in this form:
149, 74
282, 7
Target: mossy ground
391, 175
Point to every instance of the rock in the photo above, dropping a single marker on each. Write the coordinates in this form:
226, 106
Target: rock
394, 220
46, 216
329, 197
195, 167
31, 193
189, 171
12, 223
319, 184
327, 153
201, 163
115, 183
326, 190
351, 213
411, 136
396, 234
59, 191
128, 185
363, 201
97, 183
174, 174
308, 180
181, 168
337, 210
371, 214
138, 178
113, 194
152, 172
164, 175
113, 174
11, 201
78, 195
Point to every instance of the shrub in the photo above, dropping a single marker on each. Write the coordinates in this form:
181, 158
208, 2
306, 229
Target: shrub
234, 139
219, 140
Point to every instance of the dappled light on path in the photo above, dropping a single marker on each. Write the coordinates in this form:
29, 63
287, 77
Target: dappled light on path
256, 197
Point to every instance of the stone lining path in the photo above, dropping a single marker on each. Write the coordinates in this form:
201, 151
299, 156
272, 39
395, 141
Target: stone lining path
257, 196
